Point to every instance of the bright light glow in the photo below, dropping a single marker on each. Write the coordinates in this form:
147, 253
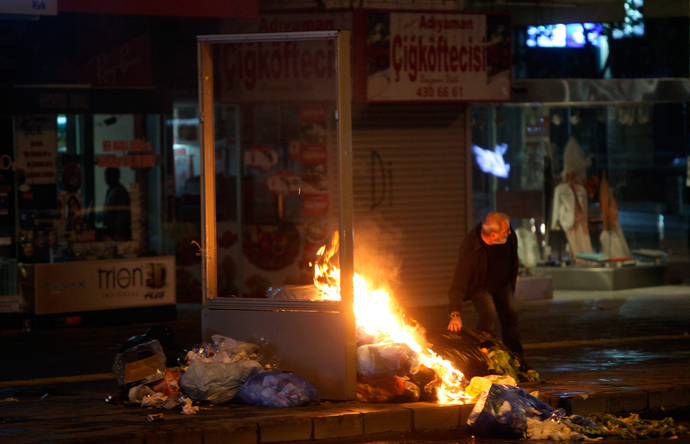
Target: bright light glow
573, 35
492, 161
379, 316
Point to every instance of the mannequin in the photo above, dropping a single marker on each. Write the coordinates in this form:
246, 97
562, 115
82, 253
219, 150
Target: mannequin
613, 242
570, 210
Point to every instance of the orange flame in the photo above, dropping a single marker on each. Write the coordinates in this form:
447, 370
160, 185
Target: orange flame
378, 315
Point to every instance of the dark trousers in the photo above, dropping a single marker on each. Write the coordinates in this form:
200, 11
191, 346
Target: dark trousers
501, 302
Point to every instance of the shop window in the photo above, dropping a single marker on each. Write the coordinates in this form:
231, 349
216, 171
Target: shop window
638, 151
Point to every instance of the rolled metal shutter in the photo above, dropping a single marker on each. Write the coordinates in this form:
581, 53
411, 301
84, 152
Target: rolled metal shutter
412, 194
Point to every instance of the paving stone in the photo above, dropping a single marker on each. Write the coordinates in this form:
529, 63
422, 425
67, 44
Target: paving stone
627, 401
232, 433
387, 421
585, 404
430, 416
343, 425
177, 436
284, 429
678, 396
137, 438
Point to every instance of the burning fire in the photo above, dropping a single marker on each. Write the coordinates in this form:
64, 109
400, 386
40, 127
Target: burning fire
380, 317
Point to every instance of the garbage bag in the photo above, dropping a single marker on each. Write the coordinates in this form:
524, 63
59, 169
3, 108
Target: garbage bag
478, 384
216, 382
502, 411
428, 381
226, 350
278, 389
140, 364
386, 359
295, 293
165, 336
463, 349
387, 389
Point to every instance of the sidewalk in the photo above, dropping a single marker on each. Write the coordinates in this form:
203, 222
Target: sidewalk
625, 373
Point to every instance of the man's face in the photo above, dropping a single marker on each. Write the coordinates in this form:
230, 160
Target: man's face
502, 236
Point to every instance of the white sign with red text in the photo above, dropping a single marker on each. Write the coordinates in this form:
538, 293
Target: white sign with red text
36, 139
438, 57
102, 285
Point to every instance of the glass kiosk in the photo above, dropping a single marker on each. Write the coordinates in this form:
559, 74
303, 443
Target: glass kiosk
276, 187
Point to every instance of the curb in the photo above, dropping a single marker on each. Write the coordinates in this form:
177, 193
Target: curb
363, 421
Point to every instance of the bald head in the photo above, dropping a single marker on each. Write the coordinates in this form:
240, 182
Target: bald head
496, 227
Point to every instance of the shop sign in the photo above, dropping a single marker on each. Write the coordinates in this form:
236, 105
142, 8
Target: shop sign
102, 285
297, 71
137, 154
29, 7
127, 65
285, 70
438, 57
36, 144
181, 8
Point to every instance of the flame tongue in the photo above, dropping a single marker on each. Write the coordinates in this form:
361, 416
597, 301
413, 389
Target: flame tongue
379, 316
326, 273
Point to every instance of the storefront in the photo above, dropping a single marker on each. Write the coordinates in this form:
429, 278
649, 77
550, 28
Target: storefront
87, 231
83, 181
626, 143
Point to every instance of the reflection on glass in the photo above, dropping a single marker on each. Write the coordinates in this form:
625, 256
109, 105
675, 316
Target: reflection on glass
276, 165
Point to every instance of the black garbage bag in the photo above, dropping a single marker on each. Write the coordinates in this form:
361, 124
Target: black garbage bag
166, 337
463, 349
427, 380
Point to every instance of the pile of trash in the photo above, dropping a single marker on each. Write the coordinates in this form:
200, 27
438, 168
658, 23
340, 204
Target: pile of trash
392, 372
152, 370
506, 411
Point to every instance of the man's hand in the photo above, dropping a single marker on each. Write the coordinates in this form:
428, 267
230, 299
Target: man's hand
455, 324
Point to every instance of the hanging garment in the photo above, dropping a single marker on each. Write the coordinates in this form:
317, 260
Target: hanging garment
570, 210
613, 242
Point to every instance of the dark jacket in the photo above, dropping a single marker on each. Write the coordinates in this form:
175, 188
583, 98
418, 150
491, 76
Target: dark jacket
472, 268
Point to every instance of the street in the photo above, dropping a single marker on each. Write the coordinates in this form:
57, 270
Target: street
593, 331
581, 343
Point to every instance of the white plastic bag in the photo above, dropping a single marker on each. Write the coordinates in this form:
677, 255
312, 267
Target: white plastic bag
216, 382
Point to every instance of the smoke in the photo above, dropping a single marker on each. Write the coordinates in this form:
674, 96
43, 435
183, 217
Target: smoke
377, 246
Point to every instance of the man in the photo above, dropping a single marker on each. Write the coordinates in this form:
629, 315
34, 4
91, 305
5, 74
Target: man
486, 274
117, 216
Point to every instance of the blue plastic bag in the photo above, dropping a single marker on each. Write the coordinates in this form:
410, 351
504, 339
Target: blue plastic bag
278, 389
502, 412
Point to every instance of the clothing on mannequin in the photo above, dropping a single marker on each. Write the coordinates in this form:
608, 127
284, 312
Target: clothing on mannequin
613, 242
570, 211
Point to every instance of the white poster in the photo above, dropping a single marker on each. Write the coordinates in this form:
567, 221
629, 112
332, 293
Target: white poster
36, 141
435, 57
102, 285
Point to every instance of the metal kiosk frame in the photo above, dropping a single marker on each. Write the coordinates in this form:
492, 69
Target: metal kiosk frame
315, 340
